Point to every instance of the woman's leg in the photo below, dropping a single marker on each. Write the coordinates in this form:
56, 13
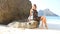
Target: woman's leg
43, 19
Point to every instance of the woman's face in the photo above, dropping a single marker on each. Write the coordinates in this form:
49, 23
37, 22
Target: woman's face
33, 7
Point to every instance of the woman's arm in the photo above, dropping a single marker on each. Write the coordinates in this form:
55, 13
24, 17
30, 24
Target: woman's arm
31, 12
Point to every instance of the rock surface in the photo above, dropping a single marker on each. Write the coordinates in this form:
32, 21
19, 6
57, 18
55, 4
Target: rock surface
11, 10
30, 25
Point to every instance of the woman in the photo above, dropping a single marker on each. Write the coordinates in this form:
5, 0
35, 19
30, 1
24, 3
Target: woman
32, 16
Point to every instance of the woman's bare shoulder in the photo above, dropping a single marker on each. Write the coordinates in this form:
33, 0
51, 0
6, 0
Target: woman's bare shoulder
31, 10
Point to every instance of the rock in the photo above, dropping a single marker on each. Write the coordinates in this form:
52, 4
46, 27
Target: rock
11, 10
17, 25
14, 24
30, 25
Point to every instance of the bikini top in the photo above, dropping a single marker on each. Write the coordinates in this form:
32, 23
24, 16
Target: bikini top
35, 13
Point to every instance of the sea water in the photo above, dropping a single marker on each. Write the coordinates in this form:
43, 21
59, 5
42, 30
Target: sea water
53, 22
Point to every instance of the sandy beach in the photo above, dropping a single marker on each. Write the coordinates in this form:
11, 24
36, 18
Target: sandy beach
8, 30
52, 29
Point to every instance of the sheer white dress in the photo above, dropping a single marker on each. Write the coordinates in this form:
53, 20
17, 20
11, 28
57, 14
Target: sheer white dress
30, 17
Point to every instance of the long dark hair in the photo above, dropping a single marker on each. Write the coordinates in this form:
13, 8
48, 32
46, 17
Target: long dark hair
35, 5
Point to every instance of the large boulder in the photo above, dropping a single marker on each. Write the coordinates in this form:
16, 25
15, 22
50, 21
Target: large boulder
17, 24
11, 10
32, 24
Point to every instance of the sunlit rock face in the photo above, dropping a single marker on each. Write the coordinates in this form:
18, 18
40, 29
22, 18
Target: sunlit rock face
29, 25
